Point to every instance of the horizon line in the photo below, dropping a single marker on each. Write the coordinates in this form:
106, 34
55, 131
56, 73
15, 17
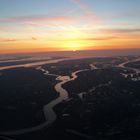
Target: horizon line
34, 52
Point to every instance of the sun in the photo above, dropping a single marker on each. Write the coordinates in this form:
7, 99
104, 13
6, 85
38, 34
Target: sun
73, 46
74, 50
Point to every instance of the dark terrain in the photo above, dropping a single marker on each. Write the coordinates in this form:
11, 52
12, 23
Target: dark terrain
103, 104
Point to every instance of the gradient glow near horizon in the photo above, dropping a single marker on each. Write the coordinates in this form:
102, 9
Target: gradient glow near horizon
57, 25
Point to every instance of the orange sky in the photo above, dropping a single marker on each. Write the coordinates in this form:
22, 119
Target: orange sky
79, 28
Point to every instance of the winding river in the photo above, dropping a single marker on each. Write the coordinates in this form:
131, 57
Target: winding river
123, 65
49, 113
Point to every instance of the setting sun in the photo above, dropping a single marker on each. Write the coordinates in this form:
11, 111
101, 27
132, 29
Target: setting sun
73, 46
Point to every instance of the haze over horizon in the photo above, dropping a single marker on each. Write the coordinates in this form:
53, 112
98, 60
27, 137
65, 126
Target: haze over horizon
68, 25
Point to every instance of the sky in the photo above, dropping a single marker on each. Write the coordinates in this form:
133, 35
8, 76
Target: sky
59, 25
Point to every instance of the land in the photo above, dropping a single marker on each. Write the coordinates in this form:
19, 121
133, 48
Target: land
103, 101
23, 93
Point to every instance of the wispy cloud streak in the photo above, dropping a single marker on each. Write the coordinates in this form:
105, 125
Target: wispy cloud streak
7, 40
122, 31
65, 19
86, 9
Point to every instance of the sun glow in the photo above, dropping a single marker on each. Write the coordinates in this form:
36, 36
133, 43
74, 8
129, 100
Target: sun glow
73, 46
72, 39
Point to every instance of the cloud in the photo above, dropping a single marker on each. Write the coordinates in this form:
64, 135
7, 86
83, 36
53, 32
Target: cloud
34, 38
122, 31
7, 40
100, 38
87, 10
32, 19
